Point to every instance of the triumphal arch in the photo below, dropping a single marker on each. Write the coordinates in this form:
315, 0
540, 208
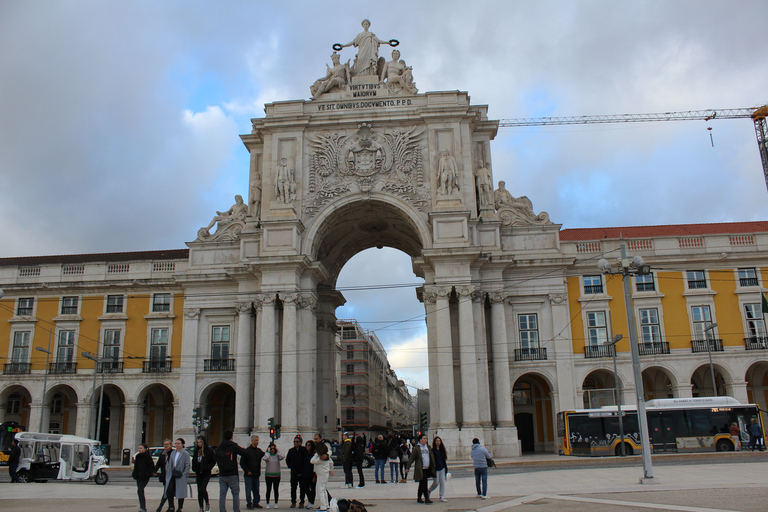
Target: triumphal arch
370, 161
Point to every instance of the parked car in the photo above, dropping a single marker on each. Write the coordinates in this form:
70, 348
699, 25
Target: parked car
336, 457
155, 452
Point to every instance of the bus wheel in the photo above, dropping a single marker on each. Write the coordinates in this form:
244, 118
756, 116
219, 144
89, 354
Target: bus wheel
23, 476
724, 446
627, 449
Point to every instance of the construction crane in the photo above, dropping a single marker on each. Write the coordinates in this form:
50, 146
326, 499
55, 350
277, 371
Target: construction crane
758, 116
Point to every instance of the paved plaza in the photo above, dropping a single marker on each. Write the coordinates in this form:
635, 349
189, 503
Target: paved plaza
733, 482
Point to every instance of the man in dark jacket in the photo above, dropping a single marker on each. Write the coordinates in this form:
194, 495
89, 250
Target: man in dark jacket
13, 461
295, 461
251, 464
226, 458
346, 459
379, 453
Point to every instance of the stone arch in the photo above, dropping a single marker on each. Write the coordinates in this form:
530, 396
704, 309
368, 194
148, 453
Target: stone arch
534, 413
701, 380
599, 387
156, 407
660, 381
61, 409
109, 426
217, 401
15, 404
757, 383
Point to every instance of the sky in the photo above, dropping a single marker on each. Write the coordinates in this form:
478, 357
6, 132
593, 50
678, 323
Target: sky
120, 121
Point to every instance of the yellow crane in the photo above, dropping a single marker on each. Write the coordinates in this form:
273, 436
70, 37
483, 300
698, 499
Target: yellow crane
758, 116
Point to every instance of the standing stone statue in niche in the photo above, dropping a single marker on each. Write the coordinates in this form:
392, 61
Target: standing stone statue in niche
367, 44
255, 196
484, 186
337, 77
285, 185
447, 175
397, 75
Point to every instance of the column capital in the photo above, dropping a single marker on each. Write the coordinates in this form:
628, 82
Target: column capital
191, 313
308, 302
264, 299
289, 298
558, 298
497, 297
479, 295
244, 307
433, 293
465, 290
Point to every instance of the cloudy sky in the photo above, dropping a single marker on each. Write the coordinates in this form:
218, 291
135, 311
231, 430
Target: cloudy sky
119, 121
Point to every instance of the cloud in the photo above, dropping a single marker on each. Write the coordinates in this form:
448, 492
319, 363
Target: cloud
410, 357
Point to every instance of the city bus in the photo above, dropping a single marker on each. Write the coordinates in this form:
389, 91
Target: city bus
7, 431
680, 425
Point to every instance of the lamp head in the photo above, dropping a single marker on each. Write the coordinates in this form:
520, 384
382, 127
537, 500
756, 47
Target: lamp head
604, 266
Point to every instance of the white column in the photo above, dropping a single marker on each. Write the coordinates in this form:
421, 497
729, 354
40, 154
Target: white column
307, 343
432, 358
35, 410
468, 359
182, 417
499, 344
244, 368
481, 348
559, 323
290, 378
447, 417
132, 426
81, 421
266, 358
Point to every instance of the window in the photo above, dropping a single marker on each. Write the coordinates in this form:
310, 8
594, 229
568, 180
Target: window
350, 414
114, 303
161, 302
13, 405
755, 322
350, 368
66, 351
350, 351
69, 306
350, 390
696, 280
220, 342
644, 283
57, 403
593, 284
528, 326
20, 352
650, 330
522, 394
24, 307
747, 277
158, 349
701, 319
348, 333
597, 332
112, 344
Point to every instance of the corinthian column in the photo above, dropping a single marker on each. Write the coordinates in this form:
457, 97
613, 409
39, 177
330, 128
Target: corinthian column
501, 384
468, 359
290, 377
244, 368
266, 358
445, 358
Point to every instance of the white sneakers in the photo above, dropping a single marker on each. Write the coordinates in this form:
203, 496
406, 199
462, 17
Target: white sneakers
443, 499
267, 505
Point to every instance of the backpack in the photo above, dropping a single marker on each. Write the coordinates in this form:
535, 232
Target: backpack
351, 506
226, 459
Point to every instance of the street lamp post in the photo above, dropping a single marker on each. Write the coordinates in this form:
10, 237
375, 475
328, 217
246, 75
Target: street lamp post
45, 379
96, 362
613, 343
706, 331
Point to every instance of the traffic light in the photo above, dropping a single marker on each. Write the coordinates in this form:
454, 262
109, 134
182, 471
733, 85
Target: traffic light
423, 422
271, 424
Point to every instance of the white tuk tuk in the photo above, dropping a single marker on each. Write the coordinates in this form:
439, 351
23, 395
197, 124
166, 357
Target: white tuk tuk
59, 457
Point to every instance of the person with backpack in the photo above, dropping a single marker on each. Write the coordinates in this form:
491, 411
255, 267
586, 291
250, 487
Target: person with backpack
394, 459
226, 458
251, 464
203, 460
379, 452
405, 453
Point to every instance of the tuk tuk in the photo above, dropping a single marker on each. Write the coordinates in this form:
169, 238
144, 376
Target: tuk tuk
59, 457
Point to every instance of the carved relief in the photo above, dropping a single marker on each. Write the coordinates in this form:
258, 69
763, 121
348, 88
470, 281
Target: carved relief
230, 223
516, 211
191, 313
557, 298
243, 307
363, 161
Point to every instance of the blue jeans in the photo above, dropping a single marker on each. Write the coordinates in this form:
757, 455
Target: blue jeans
381, 464
252, 490
394, 471
481, 474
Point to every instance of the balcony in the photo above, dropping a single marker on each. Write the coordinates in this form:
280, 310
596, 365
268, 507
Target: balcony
156, 366
715, 345
753, 343
110, 367
593, 289
60, 368
16, 368
653, 348
219, 365
747, 281
596, 351
530, 354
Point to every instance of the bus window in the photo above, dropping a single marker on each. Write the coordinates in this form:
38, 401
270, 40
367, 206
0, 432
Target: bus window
584, 429
701, 423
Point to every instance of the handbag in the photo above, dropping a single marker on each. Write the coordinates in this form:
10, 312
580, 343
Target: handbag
491, 463
177, 473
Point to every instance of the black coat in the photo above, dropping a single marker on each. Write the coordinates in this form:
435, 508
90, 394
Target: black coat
143, 466
204, 467
160, 467
295, 460
251, 461
379, 450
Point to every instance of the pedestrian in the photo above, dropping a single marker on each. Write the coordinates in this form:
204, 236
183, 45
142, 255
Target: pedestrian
358, 455
272, 470
143, 468
295, 461
441, 467
251, 464
177, 469
405, 453
226, 458
394, 459
379, 452
308, 479
423, 461
160, 466
13, 461
322, 463
755, 436
346, 459
480, 456
203, 460
735, 436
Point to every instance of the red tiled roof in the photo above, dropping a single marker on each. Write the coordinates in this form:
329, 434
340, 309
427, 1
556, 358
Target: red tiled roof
723, 228
173, 254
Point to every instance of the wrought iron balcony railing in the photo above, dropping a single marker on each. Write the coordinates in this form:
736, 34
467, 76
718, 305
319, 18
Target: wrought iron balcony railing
756, 343
592, 289
16, 368
530, 354
653, 348
62, 367
110, 367
595, 351
219, 365
156, 366
715, 345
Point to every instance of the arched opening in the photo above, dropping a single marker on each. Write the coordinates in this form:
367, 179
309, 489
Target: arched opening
218, 403
701, 381
157, 414
757, 384
599, 388
532, 401
657, 383
15, 405
109, 424
62, 410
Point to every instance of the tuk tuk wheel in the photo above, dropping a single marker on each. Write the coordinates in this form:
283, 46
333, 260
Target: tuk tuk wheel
23, 476
101, 478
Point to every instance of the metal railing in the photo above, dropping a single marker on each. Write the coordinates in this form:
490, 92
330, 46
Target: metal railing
530, 354
110, 367
156, 366
653, 348
592, 289
595, 351
715, 345
219, 365
756, 343
16, 368
65, 367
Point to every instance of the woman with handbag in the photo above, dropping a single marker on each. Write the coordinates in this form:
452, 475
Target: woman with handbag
441, 467
177, 469
143, 467
203, 460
